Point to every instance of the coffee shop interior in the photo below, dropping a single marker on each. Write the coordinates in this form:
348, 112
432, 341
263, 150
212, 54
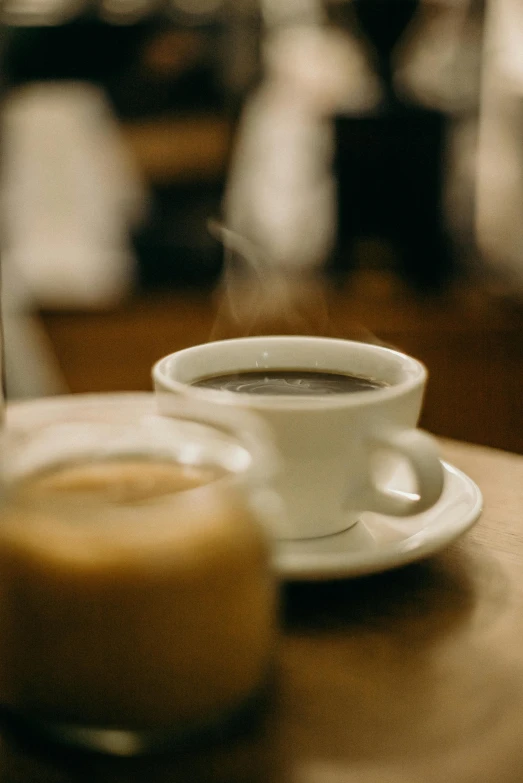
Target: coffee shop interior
380, 168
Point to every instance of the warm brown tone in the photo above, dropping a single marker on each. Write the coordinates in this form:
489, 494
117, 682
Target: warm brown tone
471, 342
413, 676
180, 150
127, 602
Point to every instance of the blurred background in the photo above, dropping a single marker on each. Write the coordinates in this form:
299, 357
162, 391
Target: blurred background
121, 121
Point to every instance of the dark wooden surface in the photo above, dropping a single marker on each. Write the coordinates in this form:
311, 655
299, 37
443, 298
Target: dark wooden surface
471, 341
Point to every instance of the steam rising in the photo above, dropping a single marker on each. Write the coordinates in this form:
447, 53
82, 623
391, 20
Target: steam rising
254, 298
257, 298
280, 203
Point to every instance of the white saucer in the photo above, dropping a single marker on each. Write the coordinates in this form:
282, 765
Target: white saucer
378, 542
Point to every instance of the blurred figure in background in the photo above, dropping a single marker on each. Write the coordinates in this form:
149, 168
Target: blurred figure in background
405, 78
71, 197
70, 193
437, 65
403, 180
500, 155
280, 200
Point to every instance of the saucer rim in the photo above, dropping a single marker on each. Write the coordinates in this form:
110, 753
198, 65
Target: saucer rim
295, 567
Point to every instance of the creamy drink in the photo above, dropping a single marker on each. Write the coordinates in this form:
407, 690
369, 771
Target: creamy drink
135, 594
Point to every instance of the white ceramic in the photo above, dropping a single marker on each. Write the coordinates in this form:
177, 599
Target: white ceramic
328, 444
378, 543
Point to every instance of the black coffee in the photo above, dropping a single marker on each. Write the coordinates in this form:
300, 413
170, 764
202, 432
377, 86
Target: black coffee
289, 382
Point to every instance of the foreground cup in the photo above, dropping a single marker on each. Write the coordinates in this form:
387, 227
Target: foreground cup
138, 605
328, 444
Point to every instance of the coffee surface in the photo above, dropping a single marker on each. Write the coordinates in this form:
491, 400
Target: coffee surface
289, 383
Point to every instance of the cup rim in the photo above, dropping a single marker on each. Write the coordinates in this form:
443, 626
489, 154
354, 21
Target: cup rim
147, 407
417, 377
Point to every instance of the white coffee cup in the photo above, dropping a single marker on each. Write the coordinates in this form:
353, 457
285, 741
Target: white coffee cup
328, 444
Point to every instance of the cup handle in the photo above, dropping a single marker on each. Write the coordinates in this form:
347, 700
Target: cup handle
420, 450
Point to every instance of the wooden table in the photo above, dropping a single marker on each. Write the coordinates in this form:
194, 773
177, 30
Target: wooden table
412, 676
471, 342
